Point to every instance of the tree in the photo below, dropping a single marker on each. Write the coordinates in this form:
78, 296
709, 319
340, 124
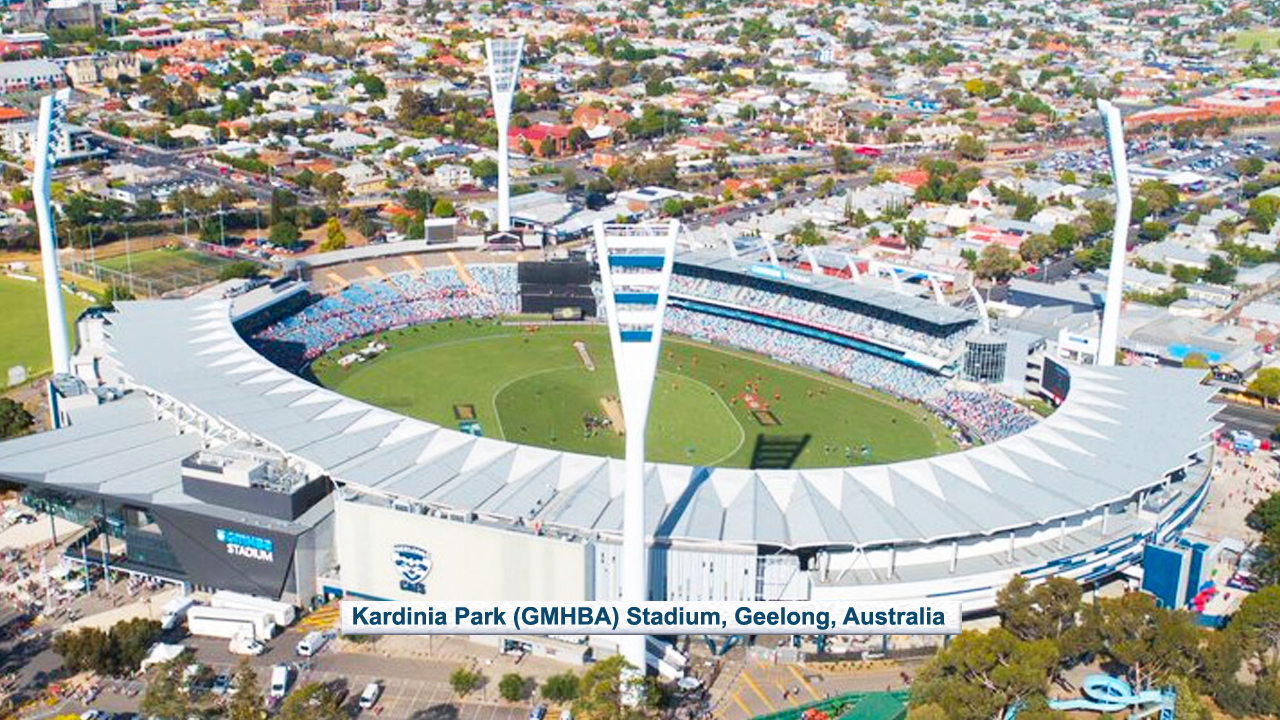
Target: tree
239, 269
14, 418
996, 263
1218, 271
602, 690
165, 696
246, 700
979, 676
443, 208
1263, 211
1266, 514
1266, 384
1046, 612
464, 681
311, 701
334, 237
971, 148
808, 234
1195, 360
1249, 165
560, 688
118, 651
511, 687
1150, 642
1064, 237
1153, 230
915, 233
1036, 248
283, 233
1257, 623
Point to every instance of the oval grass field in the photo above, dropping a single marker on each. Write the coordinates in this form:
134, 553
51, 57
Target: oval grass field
711, 406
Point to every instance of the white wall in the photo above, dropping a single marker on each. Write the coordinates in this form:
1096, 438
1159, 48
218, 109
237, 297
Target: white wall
469, 561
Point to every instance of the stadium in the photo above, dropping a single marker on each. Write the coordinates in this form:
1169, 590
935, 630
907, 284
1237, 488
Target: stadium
198, 446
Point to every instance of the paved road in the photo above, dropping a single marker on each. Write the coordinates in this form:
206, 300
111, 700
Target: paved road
1261, 423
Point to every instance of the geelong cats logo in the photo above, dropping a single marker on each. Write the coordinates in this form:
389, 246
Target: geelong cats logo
414, 565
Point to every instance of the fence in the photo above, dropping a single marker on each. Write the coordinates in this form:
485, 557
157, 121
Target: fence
143, 285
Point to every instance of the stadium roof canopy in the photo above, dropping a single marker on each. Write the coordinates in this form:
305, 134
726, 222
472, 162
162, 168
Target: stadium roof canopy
1111, 438
924, 310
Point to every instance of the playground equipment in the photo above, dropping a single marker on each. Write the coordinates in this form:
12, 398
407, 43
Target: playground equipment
1104, 693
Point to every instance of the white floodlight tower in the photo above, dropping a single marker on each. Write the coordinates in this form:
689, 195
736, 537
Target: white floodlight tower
49, 133
635, 270
503, 56
1109, 339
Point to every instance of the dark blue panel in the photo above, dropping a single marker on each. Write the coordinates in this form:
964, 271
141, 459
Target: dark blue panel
651, 262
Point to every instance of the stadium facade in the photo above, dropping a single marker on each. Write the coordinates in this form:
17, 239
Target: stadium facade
221, 469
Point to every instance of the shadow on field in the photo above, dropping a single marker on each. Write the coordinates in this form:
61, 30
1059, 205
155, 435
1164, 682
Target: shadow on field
778, 452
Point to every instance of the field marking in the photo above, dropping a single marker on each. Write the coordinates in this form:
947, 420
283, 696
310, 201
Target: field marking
413, 262
737, 698
494, 400
375, 271
337, 279
742, 432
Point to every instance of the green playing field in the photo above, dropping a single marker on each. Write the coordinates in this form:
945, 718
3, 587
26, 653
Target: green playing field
711, 406
23, 326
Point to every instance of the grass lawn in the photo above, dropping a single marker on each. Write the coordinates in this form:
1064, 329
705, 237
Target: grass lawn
167, 266
23, 325
1266, 38
532, 387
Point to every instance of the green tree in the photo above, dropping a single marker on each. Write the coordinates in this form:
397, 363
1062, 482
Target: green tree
14, 418
1218, 271
971, 148
239, 269
311, 701
1036, 248
560, 688
980, 675
511, 687
164, 695
1148, 641
464, 681
1266, 514
283, 233
1195, 360
246, 700
443, 208
334, 237
603, 688
1257, 625
996, 263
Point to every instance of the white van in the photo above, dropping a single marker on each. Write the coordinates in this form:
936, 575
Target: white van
279, 681
311, 644
369, 697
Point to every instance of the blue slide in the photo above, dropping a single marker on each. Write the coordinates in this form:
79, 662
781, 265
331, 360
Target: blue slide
1104, 693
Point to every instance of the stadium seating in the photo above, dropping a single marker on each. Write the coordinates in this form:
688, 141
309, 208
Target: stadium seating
827, 316
399, 300
380, 304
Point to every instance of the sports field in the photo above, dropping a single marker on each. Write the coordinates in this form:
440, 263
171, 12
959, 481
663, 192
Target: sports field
531, 384
1264, 37
166, 266
23, 326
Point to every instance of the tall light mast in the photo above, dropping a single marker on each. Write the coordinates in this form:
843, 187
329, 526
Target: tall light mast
635, 270
1109, 339
503, 56
50, 133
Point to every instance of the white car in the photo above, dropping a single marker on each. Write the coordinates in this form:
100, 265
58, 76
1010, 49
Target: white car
370, 696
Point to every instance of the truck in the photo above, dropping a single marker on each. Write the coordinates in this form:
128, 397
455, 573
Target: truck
282, 614
229, 622
175, 610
